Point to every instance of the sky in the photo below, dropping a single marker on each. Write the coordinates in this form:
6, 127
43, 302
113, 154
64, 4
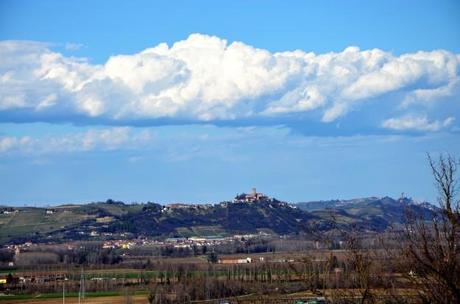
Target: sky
196, 101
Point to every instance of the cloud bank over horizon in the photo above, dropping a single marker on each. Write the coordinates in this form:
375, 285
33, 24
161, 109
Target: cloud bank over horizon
106, 139
205, 79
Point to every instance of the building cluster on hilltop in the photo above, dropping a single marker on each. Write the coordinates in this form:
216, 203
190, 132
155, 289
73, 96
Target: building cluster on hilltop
251, 197
254, 196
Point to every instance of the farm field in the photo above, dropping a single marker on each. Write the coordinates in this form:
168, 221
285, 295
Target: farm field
381, 296
141, 299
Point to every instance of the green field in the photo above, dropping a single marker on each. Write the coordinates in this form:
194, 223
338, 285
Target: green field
59, 295
202, 231
35, 220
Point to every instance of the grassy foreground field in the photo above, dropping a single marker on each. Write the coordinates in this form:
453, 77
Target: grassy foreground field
72, 297
93, 300
381, 296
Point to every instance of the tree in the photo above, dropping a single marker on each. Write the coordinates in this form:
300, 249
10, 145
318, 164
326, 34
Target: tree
432, 245
212, 257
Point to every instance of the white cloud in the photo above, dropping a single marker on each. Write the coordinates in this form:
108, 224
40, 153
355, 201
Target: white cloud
205, 78
72, 46
7, 143
93, 139
418, 123
428, 96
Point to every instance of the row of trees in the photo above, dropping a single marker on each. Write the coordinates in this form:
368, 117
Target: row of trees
84, 254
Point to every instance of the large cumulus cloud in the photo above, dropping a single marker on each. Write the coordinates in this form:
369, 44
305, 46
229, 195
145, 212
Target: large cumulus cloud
205, 79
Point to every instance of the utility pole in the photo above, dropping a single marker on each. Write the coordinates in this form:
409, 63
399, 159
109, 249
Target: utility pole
81, 293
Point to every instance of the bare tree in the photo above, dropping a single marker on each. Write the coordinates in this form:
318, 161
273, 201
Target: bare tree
432, 242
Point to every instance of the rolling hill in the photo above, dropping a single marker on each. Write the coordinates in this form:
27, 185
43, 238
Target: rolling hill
368, 213
111, 218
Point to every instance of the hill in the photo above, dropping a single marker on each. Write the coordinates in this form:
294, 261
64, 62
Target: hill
73, 222
368, 213
246, 214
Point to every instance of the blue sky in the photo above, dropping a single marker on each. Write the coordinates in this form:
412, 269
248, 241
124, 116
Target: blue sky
195, 101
